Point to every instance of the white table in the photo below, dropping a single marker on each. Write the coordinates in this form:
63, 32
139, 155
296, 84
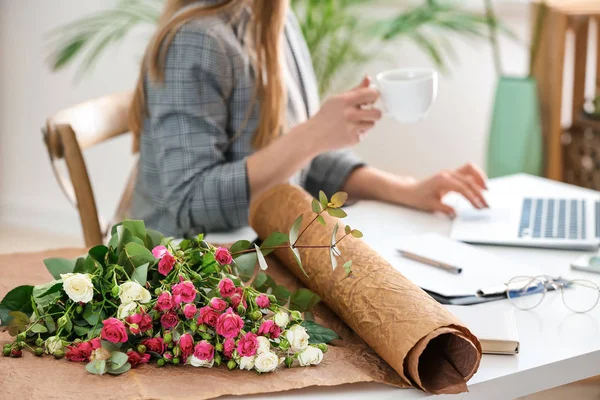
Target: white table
557, 346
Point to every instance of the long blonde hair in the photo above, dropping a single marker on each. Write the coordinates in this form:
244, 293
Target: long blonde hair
266, 27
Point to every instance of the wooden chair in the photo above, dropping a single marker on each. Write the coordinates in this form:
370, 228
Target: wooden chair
75, 129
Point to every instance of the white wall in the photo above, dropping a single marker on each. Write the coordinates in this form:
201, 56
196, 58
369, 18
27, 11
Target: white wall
454, 132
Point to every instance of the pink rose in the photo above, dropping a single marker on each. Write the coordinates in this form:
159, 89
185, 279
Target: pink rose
218, 304
146, 322
184, 292
229, 324
79, 352
95, 343
166, 262
208, 316
226, 287
228, 347
223, 256
134, 329
113, 331
269, 327
263, 301
136, 358
189, 310
169, 320
134, 318
204, 351
165, 301
186, 345
156, 345
247, 345
236, 299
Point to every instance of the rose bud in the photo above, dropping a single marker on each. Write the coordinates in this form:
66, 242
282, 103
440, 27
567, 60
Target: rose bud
273, 299
323, 347
160, 362
134, 329
241, 310
115, 292
219, 347
171, 345
289, 361
157, 291
206, 336
202, 328
231, 364
79, 309
296, 316
193, 326
21, 336
59, 354
218, 359
176, 352
6, 352
284, 344
175, 361
167, 337
62, 321
254, 330
7, 346
168, 356
141, 348
39, 351
16, 352
21, 345
255, 315
39, 341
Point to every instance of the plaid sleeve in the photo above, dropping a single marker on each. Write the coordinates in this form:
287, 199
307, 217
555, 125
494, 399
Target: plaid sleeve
204, 190
330, 171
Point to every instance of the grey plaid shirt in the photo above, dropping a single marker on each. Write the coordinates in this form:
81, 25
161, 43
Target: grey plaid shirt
192, 176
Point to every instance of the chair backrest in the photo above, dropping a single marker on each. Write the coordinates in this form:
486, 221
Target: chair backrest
74, 129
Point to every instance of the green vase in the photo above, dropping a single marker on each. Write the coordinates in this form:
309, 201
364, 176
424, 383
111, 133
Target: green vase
515, 141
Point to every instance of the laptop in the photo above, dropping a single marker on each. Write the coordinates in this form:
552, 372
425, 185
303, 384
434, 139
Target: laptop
554, 222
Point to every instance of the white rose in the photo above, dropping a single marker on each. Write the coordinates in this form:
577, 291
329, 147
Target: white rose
297, 337
247, 363
132, 291
196, 362
78, 287
281, 319
53, 344
266, 362
125, 310
310, 356
263, 344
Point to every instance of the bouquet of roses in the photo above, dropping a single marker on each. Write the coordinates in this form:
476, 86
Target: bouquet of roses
144, 297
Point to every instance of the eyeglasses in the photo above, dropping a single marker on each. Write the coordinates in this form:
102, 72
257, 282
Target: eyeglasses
527, 292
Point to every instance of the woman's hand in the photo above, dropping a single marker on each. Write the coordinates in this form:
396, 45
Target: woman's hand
342, 121
427, 194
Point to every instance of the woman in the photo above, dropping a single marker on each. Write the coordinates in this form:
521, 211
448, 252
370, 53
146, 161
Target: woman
227, 106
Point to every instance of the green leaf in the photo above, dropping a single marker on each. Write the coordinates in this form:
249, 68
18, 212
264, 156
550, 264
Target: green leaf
282, 294
296, 254
124, 237
57, 266
39, 328
117, 360
134, 255
332, 249
261, 259
338, 199
126, 367
69, 324
347, 229
295, 230
140, 274
91, 315
260, 280
89, 266
321, 220
81, 330
18, 299
319, 334
112, 347
96, 367
153, 238
323, 199
273, 240
18, 322
303, 300
348, 267
47, 293
50, 324
356, 233
246, 263
136, 227
239, 246
316, 206
337, 212
98, 253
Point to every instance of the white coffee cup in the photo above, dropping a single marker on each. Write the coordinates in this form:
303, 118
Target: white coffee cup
407, 94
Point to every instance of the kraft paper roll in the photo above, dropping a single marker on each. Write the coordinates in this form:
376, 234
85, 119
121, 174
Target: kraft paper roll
427, 346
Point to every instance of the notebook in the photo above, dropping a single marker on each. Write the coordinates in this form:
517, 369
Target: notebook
496, 330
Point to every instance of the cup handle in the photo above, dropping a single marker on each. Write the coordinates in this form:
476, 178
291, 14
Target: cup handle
379, 103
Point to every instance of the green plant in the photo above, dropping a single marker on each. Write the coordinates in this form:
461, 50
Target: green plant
340, 37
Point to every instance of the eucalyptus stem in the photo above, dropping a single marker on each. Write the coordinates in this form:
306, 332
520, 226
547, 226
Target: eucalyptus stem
491, 18
537, 35
307, 226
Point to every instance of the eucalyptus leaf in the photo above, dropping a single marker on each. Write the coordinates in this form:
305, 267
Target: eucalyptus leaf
39, 328
282, 294
321, 220
57, 266
47, 293
273, 240
356, 233
96, 367
337, 212
296, 254
136, 227
316, 206
246, 263
323, 199
261, 259
153, 238
339, 199
117, 360
126, 367
303, 300
98, 253
134, 255
89, 266
260, 280
319, 334
239, 246
348, 267
112, 347
347, 229
140, 274
295, 230
332, 249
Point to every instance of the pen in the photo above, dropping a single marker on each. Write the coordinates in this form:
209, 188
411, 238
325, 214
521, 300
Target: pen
438, 264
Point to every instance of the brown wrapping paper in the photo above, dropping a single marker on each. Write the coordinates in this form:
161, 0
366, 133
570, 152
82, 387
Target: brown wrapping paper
427, 346
348, 361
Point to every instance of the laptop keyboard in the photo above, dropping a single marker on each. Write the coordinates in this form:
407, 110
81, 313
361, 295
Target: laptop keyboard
556, 218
